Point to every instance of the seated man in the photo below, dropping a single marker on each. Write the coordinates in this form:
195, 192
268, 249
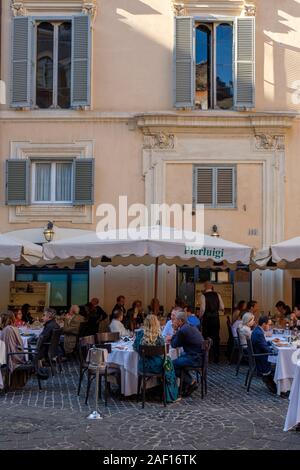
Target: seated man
116, 325
260, 346
45, 337
191, 340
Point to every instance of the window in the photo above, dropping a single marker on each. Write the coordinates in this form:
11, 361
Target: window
214, 66
215, 186
51, 62
52, 182
215, 63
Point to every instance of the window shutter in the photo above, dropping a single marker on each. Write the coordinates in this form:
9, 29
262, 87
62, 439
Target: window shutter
245, 62
203, 186
21, 62
84, 181
184, 63
17, 182
225, 186
81, 61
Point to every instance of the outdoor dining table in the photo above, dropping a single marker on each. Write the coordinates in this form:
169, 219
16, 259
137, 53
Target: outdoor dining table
28, 333
285, 365
123, 355
293, 413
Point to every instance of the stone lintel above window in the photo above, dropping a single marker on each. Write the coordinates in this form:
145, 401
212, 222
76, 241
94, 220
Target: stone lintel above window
214, 7
54, 7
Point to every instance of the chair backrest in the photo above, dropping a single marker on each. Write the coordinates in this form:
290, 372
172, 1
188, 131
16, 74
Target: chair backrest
54, 342
228, 323
85, 343
97, 356
150, 351
250, 353
107, 337
206, 345
239, 340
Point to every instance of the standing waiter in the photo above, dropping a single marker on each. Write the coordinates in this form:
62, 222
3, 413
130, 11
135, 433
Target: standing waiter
211, 304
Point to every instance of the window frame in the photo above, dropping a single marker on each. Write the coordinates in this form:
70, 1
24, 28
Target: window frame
214, 168
53, 181
56, 21
213, 23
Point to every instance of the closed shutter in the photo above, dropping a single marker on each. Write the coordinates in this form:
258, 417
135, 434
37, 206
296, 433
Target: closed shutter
84, 181
225, 186
245, 62
184, 63
203, 185
17, 182
21, 62
81, 61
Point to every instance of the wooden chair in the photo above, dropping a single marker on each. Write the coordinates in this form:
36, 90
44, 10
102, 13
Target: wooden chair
84, 344
252, 363
201, 370
143, 376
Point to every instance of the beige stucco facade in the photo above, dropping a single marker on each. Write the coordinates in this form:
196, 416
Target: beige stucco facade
132, 103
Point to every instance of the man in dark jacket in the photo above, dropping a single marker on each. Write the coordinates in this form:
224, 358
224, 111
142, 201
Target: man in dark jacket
45, 337
260, 346
191, 340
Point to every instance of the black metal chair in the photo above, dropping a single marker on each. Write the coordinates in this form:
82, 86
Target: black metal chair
84, 345
53, 350
105, 371
252, 363
30, 367
201, 370
145, 352
232, 344
243, 353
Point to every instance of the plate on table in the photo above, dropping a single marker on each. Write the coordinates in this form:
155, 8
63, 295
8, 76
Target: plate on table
282, 345
276, 340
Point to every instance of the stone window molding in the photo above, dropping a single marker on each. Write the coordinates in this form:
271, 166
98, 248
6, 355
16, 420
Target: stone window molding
54, 7
41, 213
214, 7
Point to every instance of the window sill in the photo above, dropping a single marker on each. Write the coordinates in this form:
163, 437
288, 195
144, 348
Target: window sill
56, 212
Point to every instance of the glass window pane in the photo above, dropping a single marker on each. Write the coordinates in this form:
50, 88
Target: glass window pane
79, 289
63, 182
224, 66
58, 289
24, 277
44, 65
203, 67
43, 182
64, 65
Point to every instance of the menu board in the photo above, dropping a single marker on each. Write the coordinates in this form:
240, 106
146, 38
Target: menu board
224, 289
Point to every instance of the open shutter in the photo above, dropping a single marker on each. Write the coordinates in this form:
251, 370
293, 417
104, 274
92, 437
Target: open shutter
184, 62
245, 62
83, 181
225, 187
21, 62
81, 61
203, 186
17, 182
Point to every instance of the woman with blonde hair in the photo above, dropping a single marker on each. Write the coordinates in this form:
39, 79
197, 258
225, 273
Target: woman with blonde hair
151, 336
245, 329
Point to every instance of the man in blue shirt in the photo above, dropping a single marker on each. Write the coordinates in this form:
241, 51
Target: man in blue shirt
191, 340
261, 346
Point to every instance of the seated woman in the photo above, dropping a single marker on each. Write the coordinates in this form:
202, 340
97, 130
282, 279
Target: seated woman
13, 342
116, 325
19, 322
72, 323
245, 329
151, 336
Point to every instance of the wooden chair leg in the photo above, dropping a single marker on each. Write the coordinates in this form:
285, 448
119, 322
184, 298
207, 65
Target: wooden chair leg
202, 386
164, 390
139, 388
181, 382
144, 391
106, 388
247, 377
250, 380
88, 388
100, 387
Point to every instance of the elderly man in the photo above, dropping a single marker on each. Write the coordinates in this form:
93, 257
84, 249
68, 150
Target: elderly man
49, 326
211, 305
191, 340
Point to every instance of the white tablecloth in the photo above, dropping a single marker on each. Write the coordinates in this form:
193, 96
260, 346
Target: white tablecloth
285, 366
27, 337
293, 414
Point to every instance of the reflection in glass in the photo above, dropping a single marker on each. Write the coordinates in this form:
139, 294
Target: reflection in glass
44, 72
58, 289
64, 65
203, 67
63, 182
79, 288
224, 66
43, 182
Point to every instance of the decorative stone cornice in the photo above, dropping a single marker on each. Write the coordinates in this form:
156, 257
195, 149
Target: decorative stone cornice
161, 141
270, 142
250, 10
210, 7
54, 7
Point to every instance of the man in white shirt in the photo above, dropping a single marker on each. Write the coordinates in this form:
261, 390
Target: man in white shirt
211, 304
116, 325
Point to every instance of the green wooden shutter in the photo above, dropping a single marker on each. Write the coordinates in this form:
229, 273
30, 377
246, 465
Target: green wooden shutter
81, 61
225, 187
203, 185
245, 62
17, 182
184, 62
21, 62
83, 181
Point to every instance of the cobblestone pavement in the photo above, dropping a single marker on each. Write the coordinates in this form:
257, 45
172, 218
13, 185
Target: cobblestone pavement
227, 418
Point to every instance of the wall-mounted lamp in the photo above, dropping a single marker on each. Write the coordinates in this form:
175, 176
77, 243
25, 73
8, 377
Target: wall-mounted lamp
49, 232
215, 232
